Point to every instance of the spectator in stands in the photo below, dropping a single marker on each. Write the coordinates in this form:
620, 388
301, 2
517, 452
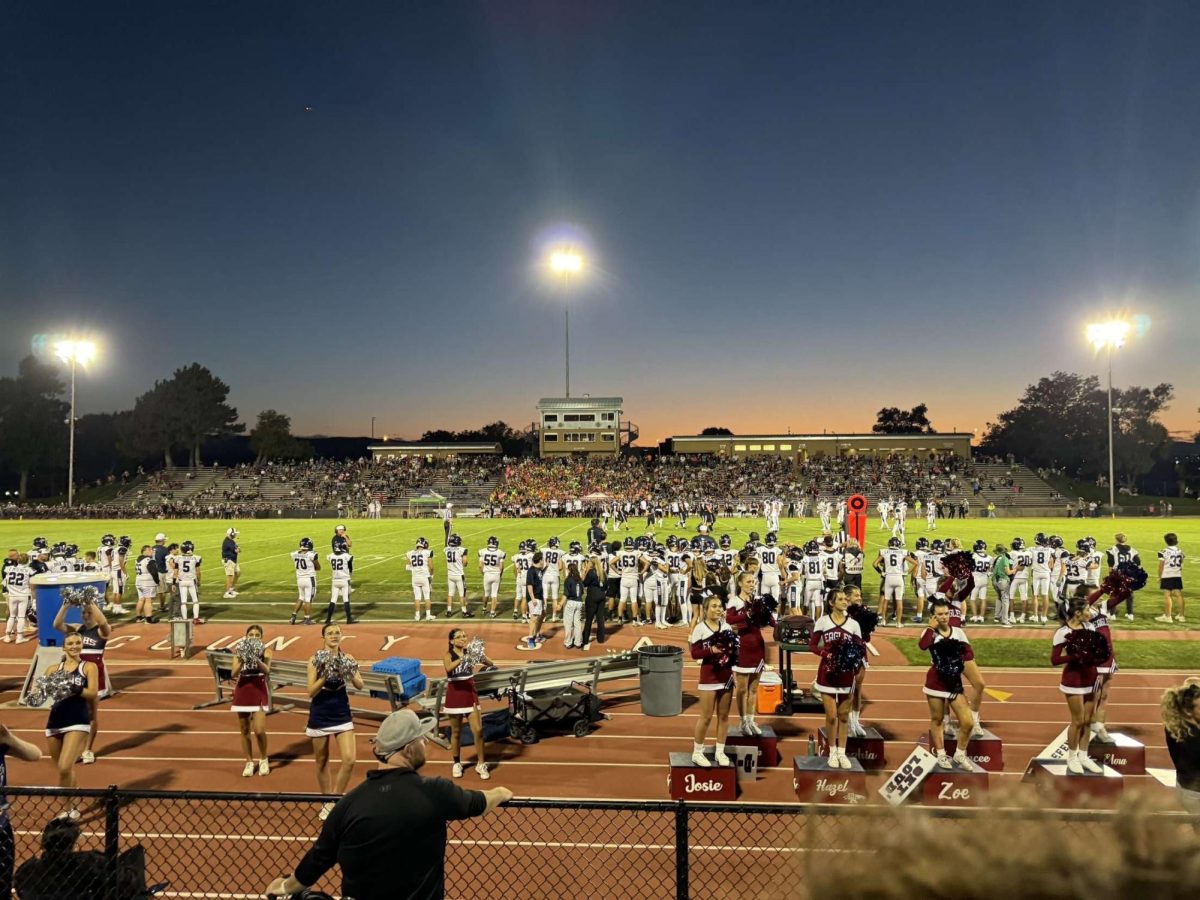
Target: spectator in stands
389, 833
1181, 720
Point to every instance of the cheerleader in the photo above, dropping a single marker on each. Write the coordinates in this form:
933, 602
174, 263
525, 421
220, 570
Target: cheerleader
955, 587
462, 701
329, 714
716, 679
866, 620
942, 691
1106, 670
252, 702
1078, 683
95, 632
743, 614
834, 628
69, 722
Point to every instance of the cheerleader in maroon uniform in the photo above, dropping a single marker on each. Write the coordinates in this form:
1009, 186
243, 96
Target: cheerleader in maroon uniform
943, 682
716, 678
746, 615
956, 587
462, 700
1107, 669
251, 699
1070, 650
835, 680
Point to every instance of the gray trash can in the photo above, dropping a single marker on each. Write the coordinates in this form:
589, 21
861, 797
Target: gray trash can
660, 676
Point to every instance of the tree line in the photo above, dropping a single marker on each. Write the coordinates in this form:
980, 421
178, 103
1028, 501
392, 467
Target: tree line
1059, 422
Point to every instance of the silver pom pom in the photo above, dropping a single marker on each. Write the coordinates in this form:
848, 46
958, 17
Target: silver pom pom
473, 655
250, 651
79, 597
53, 687
335, 666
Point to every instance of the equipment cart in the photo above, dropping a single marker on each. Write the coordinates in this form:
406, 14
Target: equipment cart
575, 706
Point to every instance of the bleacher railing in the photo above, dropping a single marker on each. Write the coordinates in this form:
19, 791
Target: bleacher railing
231, 845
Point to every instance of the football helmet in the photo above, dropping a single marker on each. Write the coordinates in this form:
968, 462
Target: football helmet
577, 547
125, 541
629, 543
772, 537
422, 544
894, 543
553, 542
107, 541
59, 549
1040, 539
530, 544
521, 548
454, 541
72, 550
1018, 543
1056, 542
187, 547
671, 541
981, 546
937, 546
493, 542
306, 543
726, 542
922, 543
41, 543
811, 548
1083, 546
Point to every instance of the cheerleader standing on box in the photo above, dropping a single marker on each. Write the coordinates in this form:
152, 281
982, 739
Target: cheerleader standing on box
950, 649
867, 620
956, 587
1075, 648
838, 639
95, 632
251, 699
70, 717
462, 700
1105, 670
329, 710
747, 615
710, 641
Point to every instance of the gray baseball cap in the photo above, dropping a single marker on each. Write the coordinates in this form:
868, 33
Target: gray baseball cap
400, 729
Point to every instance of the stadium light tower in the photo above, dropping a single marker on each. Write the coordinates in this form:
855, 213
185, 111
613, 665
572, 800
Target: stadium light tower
564, 263
1109, 336
75, 354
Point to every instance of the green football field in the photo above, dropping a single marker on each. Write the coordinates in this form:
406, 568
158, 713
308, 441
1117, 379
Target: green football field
382, 589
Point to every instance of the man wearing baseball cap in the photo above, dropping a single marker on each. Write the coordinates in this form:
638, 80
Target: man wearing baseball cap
229, 560
389, 833
163, 590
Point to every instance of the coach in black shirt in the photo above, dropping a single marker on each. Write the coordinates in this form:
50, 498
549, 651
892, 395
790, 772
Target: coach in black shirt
389, 833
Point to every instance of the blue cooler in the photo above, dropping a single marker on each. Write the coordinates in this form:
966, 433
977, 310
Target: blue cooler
47, 600
412, 682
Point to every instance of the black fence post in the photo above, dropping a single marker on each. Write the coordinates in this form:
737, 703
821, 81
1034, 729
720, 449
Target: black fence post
681, 851
112, 841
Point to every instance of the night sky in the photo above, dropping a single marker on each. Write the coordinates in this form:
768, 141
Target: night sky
795, 213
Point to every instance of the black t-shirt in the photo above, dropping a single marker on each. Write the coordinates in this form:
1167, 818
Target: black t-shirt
1185, 755
70, 876
389, 836
533, 579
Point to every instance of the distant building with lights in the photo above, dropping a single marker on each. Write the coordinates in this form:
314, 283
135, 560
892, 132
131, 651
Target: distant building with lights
582, 426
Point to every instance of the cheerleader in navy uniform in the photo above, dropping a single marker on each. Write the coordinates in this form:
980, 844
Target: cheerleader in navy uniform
1073, 651
329, 710
867, 620
716, 676
95, 632
943, 685
837, 637
251, 699
70, 717
462, 700
746, 615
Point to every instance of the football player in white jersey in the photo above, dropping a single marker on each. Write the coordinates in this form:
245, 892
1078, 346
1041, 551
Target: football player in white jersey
17, 575
1018, 585
892, 564
885, 509
106, 554
522, 560
831, 563
120, 557
341, 567
679, 565
981, 574
931, 515
769, 557
1042, 563
456, 561
813, 572
420, 566
187, 567
145, 582
306, 566
629, 566
552, 575
825, 511
1170, 579
491, 566
899, 519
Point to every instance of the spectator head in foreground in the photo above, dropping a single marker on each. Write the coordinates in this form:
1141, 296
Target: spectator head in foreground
1149, 851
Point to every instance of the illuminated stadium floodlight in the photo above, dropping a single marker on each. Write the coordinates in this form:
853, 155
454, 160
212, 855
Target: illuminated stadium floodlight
564, 263
74, 353
1109, 336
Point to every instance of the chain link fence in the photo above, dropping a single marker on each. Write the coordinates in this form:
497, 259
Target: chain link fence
131, 845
